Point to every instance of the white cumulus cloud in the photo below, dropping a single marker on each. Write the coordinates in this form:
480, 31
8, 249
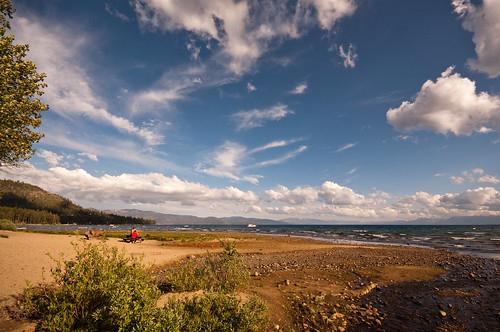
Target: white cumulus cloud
243, 30
451, 104
476, 175
151, 188
483, 20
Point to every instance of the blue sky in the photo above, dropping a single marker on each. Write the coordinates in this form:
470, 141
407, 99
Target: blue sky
330, 109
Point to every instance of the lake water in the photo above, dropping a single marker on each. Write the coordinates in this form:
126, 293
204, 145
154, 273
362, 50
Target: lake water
483, 240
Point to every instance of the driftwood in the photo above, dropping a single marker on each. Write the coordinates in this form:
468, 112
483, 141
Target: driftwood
94, 233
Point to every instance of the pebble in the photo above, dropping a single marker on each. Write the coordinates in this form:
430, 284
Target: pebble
442, 313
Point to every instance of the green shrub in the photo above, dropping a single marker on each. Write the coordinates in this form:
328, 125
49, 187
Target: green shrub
103, 290
215, 312
99, 290
221, 272
7, 225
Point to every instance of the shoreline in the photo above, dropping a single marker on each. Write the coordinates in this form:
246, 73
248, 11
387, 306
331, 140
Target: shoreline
460, 240
392, 244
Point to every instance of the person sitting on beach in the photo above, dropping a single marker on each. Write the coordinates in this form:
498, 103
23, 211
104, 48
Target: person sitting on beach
134, 235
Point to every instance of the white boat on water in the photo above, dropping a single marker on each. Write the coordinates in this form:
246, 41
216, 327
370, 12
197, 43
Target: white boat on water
251, 225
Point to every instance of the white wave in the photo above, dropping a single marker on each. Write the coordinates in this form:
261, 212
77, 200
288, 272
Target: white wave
380, 236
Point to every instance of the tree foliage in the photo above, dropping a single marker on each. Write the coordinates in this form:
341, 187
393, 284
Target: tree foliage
20, 89
28, 216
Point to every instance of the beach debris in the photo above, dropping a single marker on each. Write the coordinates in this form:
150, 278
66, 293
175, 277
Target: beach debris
94, 233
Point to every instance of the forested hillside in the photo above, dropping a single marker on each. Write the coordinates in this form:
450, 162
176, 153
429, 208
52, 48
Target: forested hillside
26, 203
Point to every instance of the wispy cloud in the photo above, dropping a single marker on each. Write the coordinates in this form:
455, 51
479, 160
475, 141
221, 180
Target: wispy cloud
282, 158
88, 155
346, 147
348, 55
352, 171
116, 13
299, 89
275, 144
50, 157
117, 149
58, 51
231, 160
176, 84
258, 117
251, 87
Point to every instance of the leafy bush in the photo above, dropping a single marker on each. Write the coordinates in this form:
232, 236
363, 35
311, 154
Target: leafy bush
103, 290
216, 312
99, 290
222, 272
7, 225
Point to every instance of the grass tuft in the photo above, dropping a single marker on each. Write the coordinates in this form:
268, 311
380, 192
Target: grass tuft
7, 225
220, 272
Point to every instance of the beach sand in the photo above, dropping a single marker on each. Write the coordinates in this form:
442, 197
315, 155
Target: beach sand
303, 281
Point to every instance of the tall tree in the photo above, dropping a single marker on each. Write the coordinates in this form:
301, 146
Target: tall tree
20, 89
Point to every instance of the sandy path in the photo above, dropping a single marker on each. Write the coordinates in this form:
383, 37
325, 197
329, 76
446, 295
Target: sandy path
23, 256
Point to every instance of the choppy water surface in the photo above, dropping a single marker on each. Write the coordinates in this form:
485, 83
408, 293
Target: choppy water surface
481, 240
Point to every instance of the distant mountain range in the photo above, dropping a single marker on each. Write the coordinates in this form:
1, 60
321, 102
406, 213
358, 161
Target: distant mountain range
175, 219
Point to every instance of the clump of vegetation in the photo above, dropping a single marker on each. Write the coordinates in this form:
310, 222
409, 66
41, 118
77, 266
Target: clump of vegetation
7, 225
103, 290
216, 312
99, 290
220, 272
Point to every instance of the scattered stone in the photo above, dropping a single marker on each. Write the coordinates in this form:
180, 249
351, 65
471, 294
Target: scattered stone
256, 274
442, 313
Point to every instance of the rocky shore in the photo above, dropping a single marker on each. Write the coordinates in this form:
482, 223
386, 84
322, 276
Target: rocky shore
383, 288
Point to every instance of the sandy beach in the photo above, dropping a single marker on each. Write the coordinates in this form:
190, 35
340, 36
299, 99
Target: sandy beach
300, 280
26, 257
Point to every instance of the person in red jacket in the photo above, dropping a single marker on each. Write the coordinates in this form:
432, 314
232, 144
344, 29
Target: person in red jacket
134, 235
